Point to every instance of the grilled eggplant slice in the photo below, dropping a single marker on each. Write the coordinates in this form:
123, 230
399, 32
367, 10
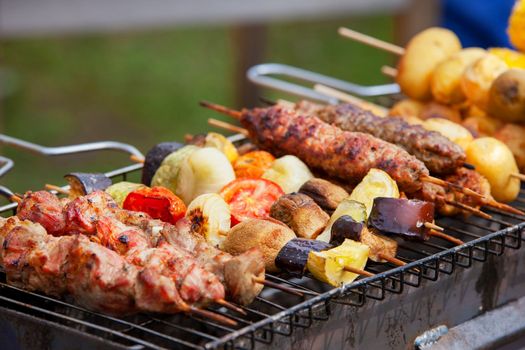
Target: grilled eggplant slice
346, 227
301, 214
403, 217
293, 257
324, 193
86, 183
154, 158
355, 210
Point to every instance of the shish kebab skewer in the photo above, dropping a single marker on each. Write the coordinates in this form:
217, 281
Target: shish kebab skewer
345, 155
215, 256
406, 170
95, 276
430, 192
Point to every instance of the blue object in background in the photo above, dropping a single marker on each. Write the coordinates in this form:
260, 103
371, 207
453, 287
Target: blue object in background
481, 23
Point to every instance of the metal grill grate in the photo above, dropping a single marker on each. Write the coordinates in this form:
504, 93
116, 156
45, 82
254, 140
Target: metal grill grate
275, 313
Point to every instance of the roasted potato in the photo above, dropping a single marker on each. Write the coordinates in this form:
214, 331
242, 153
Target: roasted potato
423, 53
494, 160
446, 78
324, 193
300, 213
453, 131
406, 107
482, 125
328, 265
477, 79
437, 110
266, 235
507, 96
514, 137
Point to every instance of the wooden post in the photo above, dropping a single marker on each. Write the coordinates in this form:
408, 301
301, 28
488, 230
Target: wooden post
249, 43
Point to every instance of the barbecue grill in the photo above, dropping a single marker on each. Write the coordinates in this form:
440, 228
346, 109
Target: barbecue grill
441, 284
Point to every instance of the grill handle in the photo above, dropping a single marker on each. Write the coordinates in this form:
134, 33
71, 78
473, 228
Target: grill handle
6, 164
71, 149
261, 75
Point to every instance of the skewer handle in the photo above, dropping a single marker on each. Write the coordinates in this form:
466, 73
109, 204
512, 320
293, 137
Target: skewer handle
376, 109
371, 41
277, 286
358, 271
391, 259
389, 71
227, 126
446, 237
59, 189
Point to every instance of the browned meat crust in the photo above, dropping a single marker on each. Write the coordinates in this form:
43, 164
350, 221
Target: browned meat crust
340, 154
440, 155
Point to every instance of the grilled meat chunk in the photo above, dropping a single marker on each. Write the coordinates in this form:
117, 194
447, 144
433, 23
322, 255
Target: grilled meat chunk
340, 154
97, 278
440, 155
46, 209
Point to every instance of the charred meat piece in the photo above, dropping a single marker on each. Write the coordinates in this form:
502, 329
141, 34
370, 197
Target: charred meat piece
440, 155
403, 217
46, 209
82, 213
243, 289
97, 277
85, 183
195, 284
324, 193
34, 260
212, 259
462, 177
301, 214
341, 154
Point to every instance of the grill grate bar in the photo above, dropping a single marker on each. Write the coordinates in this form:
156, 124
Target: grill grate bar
83, 323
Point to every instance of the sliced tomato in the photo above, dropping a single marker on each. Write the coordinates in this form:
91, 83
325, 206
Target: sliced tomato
253, 164
250, 198
159, 202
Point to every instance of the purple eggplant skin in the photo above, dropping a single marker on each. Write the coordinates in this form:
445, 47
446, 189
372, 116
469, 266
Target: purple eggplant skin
293, 257
154, 158
345, 227
86, 183
402, 217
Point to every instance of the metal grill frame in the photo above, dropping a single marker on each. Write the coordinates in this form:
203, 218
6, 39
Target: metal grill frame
303, 314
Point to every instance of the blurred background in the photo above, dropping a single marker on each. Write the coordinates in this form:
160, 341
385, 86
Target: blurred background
133, 71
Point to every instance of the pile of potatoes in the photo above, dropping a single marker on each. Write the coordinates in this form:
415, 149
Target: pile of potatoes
477, 92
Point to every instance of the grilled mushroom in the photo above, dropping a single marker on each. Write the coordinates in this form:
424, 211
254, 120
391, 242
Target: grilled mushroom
324, 193
301, 214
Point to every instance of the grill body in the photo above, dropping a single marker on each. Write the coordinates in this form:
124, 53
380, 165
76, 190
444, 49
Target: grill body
441, 284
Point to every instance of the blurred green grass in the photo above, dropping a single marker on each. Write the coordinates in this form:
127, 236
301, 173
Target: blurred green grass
143, 87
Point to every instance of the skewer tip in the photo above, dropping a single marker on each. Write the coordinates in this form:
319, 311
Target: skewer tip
277, 286
212, 316
221, 109
231, 306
